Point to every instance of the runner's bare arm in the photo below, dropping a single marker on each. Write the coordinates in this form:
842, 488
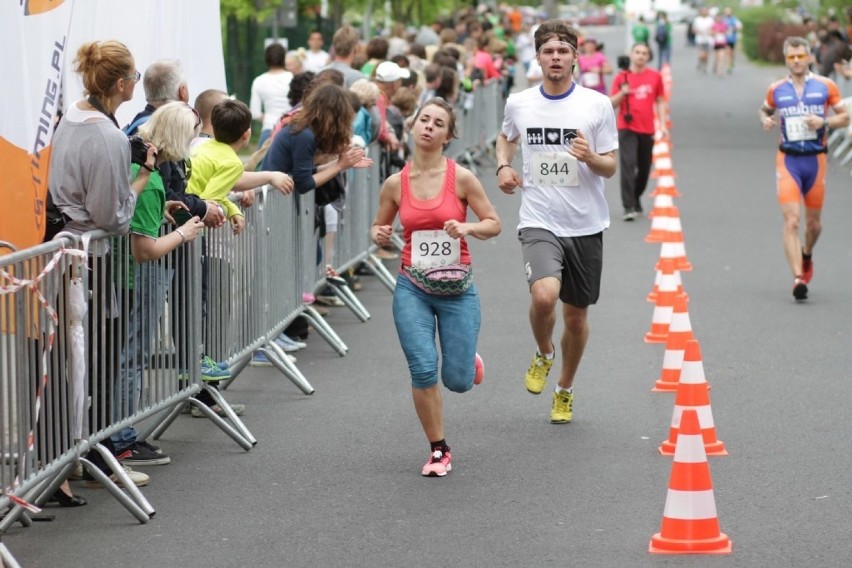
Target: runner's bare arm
507, 178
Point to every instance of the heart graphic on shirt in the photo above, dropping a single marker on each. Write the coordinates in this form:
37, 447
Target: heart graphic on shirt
552, 137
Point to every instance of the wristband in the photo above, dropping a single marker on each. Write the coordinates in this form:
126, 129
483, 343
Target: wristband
825, 123
497, 173
182, 236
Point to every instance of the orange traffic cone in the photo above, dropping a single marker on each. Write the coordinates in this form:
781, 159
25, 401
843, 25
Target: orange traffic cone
652, 295
660, 219
666, 74
693, 393
662, 203
680, 332
663, 166
664, 306
666, 186
690, 522
677, 249
660, 148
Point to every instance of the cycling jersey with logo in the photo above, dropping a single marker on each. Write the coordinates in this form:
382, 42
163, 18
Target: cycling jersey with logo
818, 95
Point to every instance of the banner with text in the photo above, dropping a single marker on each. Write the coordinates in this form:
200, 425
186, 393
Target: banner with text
35, 34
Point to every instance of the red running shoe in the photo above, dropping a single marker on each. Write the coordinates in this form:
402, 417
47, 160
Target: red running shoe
807, 270
479, 373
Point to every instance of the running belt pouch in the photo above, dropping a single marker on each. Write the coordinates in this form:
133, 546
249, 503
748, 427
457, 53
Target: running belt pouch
449, 280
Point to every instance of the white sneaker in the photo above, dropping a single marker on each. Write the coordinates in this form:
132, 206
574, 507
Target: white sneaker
138, 478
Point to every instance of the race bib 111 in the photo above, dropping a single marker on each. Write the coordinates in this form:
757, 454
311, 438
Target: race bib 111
797, 129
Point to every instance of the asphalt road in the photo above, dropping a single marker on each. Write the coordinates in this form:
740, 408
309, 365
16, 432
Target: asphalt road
335, 481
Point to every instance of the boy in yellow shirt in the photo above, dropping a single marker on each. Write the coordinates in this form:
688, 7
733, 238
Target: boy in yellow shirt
216, 167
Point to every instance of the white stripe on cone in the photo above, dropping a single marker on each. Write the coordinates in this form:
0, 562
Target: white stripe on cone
705, 418
690, 505
692, 373
673, 358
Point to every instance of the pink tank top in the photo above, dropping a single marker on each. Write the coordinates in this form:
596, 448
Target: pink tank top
419, 215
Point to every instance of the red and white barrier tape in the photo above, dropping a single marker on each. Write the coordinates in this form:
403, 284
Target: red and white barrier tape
16, 285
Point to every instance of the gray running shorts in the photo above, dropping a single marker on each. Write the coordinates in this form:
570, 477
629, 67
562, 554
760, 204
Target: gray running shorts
576, 261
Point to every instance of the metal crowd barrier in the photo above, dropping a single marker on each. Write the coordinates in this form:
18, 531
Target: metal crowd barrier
840, 139
480, 118
38, 423
93, 343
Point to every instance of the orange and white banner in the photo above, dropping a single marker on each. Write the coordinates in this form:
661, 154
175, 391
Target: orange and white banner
34, 36
40, 40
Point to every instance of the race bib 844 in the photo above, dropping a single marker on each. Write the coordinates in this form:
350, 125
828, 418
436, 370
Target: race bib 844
555, 168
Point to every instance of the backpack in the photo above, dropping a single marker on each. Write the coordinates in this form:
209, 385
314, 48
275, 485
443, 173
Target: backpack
662, 34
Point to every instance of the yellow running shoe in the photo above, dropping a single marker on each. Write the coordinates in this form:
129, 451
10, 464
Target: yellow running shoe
536, 376
562, 411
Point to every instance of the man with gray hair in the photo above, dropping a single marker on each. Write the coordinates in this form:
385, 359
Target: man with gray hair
164, 81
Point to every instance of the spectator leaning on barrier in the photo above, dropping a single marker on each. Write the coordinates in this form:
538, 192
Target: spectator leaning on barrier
321, 133
216, 167
164, 81
432, 195
218, 170
323, 126
89, 188
637, 92
801, 159
211, 371
170, 129
568, 139
269, 91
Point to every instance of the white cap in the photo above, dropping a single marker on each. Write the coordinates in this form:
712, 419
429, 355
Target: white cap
388, 72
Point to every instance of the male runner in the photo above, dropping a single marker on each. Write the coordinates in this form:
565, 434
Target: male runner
802, 101
568, 140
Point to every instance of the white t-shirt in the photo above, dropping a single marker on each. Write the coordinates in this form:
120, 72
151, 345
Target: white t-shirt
702, 27
315, 61
544, 126
269, 96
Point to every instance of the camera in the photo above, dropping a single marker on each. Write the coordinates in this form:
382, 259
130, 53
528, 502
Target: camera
623, 62
138, 150
627, 117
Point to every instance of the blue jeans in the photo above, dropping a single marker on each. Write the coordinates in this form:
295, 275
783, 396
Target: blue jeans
264, 134
416, 314
665, 55
148, 301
